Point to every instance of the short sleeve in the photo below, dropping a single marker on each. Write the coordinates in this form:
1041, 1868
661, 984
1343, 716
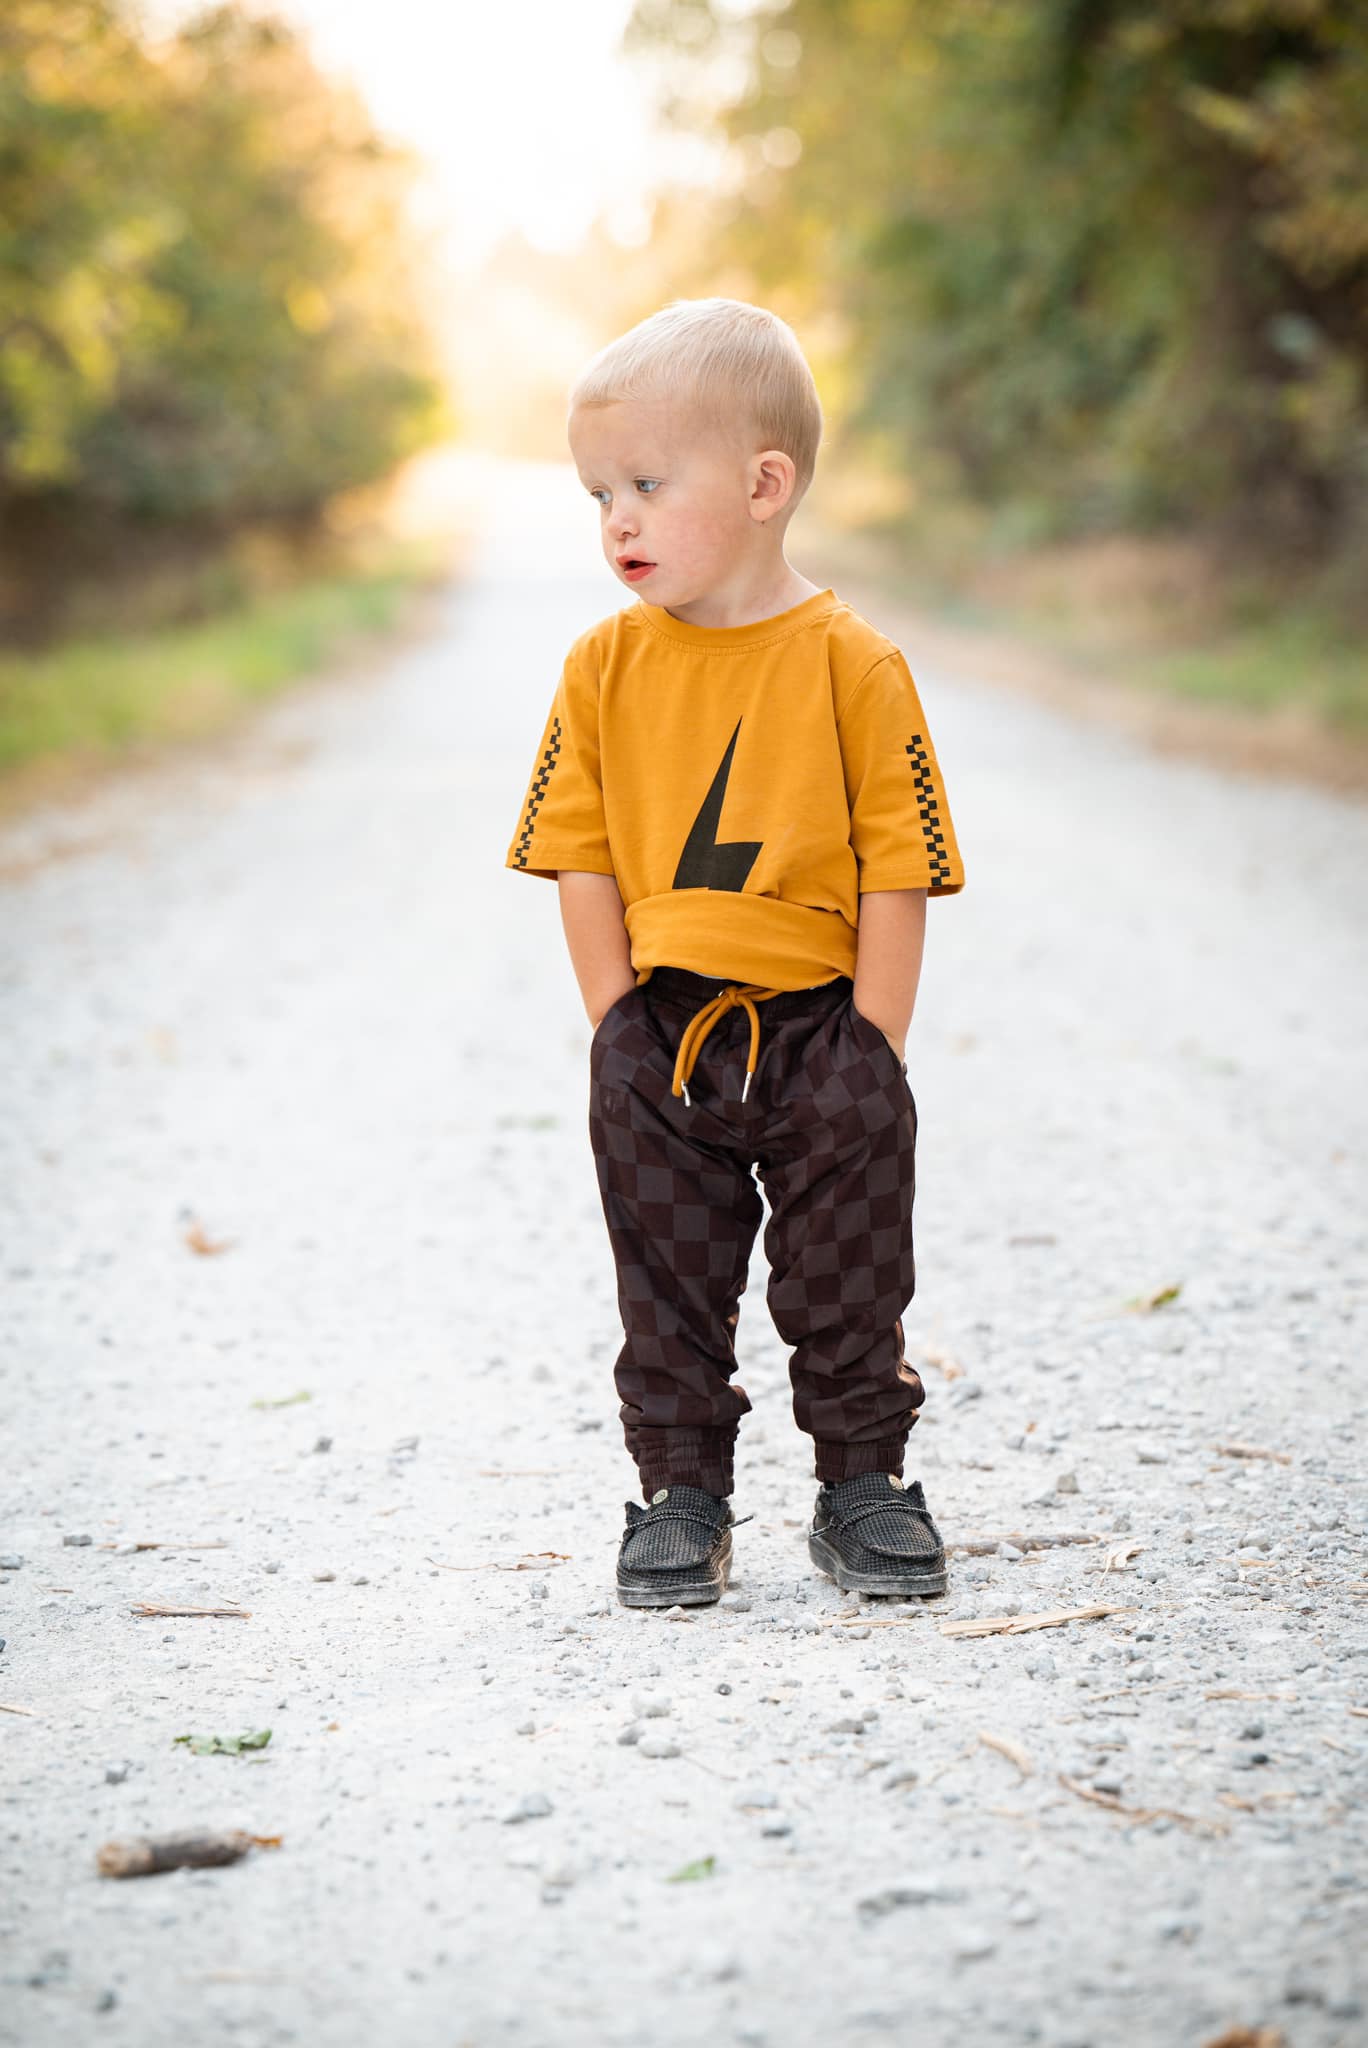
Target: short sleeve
561, 824
900, 825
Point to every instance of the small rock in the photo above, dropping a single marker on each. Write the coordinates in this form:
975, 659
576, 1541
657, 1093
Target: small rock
1010, 1551
404, 1446
273, 1566
1150, 1454
75, 1542
1252, 1731
757, 1797
526, 1728
323, 1578
1067, 1482
321, 1444
849, 1724
736, 1603
115, 1773
630, 1736
1023, 1914
361, 1579
776, 1826
11, 1562
900, 1778
652, 1706
657, 1746
972, 1943
106, 2001
906, 1891
532, 1806
724, 1689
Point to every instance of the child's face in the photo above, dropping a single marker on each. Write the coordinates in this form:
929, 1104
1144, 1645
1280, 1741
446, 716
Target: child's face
672, 494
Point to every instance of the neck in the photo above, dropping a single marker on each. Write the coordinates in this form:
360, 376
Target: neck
777, 589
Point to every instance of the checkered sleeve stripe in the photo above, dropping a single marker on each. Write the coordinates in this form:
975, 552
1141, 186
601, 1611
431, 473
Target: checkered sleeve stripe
928, 808
536, 793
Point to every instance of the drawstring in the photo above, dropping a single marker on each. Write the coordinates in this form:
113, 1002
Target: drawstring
738, 996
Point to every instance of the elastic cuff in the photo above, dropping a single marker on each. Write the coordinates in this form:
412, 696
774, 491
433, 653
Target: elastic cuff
683, 1457
834, 1462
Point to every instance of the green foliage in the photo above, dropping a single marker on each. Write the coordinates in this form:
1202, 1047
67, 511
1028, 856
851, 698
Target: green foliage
1108, 257
90, 697
223, 1745
207, 307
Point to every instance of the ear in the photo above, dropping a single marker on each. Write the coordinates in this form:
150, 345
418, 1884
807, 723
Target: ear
772, 479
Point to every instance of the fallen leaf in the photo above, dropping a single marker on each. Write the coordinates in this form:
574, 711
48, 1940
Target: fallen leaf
224, 1745
1120, 1557
199, 1240
1248, 2037
286, 1401
1018, 1624
692, 1872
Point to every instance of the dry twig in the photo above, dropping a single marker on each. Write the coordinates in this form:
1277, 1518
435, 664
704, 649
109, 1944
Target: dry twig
31, 1713
1018, 1624
983, 1546
195, 1849
1251, 1451
535, 1561
1013, 1751
149, 1610
1140, 1813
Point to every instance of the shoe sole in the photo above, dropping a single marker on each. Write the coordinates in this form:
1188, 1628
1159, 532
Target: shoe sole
657, 1592
931, 1580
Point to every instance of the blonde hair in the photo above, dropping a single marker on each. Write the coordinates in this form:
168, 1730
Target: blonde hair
739, 366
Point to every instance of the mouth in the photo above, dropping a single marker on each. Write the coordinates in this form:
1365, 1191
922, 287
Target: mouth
634, 567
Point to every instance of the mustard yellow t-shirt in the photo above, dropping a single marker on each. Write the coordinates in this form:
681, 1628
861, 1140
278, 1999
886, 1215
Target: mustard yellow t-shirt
745, 784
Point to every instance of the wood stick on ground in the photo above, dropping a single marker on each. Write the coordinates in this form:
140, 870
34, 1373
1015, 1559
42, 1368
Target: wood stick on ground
165, 1543
194, 1849
1362, 1712
149, 1610
1141, 1813
1018, 1624
1235, 1692
31, 1713
535, 1561
1013, 1751
1252, 1451
983, 1546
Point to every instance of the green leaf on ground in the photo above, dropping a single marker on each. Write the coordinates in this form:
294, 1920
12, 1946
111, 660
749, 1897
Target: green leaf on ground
286, 1400
1144, 1303
706, 1866
224, 1745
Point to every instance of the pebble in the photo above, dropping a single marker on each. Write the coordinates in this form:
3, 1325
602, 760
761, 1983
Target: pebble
75, 1542
115, 1773
1067, 1482
11, 1562
361, 1579
1150, 1454
658, 1745
323, 1578
972, 1943
526, 1728
1009, 1550
630, 1735
532, 1806
652, 1706
736, 1603
916, 1890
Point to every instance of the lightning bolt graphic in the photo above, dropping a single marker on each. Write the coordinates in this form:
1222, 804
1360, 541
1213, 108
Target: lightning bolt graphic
704, 864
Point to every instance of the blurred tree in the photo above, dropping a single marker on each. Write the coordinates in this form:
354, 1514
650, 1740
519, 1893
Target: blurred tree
1107, 258
208, 302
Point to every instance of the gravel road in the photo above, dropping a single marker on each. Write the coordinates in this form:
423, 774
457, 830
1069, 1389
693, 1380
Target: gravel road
283, 1003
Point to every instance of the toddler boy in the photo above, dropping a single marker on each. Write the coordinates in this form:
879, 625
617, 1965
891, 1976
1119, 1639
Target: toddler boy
737, 793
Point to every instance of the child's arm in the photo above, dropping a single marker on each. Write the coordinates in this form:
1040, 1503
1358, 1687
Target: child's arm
596, 934
888, 960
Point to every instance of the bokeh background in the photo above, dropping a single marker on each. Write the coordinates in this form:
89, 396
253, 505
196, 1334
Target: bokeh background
1084, 284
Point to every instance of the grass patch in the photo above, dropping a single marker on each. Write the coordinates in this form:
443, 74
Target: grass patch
97, 694
1300, 659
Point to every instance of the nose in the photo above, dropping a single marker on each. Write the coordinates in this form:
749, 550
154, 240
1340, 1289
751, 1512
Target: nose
623, 520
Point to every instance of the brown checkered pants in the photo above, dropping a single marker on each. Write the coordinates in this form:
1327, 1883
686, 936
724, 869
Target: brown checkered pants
830, 1127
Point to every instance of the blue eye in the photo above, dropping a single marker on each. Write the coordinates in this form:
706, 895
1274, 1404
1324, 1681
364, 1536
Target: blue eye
648, 483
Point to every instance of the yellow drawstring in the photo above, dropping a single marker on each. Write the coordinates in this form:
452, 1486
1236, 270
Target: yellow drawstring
739, 996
